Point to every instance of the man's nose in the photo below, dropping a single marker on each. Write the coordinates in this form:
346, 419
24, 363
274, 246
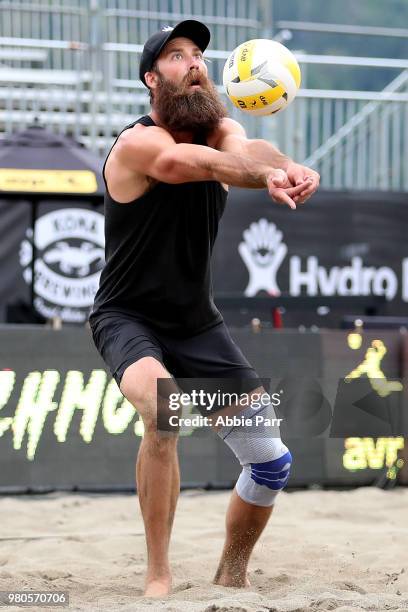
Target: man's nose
195, 63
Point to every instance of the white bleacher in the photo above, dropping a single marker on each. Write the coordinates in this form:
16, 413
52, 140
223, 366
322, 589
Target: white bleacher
73, 66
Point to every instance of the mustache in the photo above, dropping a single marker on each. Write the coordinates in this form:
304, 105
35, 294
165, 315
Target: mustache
191, 78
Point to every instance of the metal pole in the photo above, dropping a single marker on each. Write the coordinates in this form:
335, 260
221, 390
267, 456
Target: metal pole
94, 51
334, 28
266, 10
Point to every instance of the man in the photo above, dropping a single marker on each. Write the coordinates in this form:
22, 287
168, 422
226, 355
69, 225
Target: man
166, 178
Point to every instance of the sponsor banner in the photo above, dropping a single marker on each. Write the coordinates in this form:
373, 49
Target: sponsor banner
48, 181
337, 244
64, 422
69, 243
349, 244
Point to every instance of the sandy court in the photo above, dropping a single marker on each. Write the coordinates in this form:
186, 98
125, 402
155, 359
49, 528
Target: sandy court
322, 550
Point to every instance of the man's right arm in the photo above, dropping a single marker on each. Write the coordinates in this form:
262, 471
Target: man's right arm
153, 152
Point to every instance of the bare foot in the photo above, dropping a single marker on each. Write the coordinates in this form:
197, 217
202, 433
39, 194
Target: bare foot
159, 587
232, 580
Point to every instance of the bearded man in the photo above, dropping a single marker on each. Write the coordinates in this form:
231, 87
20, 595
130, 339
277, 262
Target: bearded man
167, 178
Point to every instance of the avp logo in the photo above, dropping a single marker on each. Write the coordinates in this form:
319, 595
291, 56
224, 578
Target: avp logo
70, 256
263, 252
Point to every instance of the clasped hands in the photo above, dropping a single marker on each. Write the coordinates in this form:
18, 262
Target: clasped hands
293, 186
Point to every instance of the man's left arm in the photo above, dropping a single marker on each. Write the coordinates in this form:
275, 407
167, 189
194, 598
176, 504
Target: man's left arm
232, 138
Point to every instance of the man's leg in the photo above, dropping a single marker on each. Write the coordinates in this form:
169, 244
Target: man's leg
157, 472
244, 524
266, 464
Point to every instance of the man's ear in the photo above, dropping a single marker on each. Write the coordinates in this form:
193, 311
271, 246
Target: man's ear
151, 79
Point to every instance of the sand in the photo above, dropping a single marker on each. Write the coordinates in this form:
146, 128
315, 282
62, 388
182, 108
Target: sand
322, 550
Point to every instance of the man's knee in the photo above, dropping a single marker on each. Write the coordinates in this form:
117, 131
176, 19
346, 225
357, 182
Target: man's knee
146, 384
265, 459
139, 381
260, 483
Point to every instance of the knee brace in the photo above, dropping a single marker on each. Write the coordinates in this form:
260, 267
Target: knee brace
264, 458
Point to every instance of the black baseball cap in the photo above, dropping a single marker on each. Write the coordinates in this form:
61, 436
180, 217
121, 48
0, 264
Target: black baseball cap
194, 30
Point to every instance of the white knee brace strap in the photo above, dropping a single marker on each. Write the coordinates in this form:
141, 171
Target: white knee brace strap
264, 458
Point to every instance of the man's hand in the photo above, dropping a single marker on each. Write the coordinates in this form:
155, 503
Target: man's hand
298, 175
282, 190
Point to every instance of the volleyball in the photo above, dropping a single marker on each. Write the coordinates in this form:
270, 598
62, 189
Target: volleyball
261, 77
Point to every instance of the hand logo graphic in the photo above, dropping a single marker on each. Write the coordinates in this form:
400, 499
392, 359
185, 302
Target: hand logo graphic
263, 252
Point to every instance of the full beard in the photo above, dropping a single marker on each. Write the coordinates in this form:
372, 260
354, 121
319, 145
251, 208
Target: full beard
183, 109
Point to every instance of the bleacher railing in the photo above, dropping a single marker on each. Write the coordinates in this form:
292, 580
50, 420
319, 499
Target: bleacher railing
74, 68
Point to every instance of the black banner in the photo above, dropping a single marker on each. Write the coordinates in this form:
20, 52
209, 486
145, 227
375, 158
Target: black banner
65, 424
338, 245
69, 256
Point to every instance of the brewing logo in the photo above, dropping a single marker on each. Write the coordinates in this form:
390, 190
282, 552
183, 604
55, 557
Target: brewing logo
69, 258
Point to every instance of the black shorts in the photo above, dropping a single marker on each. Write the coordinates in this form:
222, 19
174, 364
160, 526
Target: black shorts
122, 339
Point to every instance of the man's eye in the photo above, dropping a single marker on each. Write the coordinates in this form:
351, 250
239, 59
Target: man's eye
177, 55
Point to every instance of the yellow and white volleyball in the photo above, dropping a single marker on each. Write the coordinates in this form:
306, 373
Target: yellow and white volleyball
261, 77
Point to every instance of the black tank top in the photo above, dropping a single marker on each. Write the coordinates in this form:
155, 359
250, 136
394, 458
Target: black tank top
158, 250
